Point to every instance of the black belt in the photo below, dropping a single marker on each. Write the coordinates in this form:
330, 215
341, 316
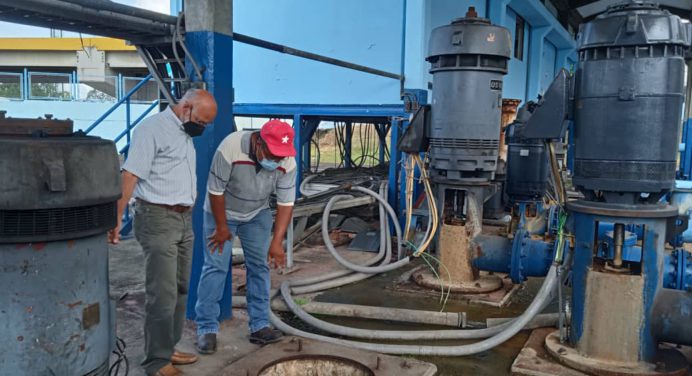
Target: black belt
175, 208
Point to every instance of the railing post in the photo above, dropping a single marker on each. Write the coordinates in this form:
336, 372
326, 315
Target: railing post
74, 86
127, 123
27, 84
119, 87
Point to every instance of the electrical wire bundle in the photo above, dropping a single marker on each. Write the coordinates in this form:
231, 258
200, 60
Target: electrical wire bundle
368, 141
121, 359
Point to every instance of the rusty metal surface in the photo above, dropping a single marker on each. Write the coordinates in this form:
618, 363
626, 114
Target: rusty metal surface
26, 127
509, 113
294, 348
56, 317
622, 210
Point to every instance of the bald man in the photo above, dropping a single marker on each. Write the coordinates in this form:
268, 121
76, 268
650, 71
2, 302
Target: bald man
160, 170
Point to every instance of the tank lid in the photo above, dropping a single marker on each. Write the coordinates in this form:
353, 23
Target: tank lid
632, 5
10, 126
634, 23
471, 35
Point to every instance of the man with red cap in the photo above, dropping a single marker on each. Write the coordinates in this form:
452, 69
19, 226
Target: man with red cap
247, 168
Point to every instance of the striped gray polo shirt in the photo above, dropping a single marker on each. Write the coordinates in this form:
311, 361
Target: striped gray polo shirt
162, 156
246, 190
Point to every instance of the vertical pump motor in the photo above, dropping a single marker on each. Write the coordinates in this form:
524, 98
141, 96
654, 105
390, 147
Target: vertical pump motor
57, 202
468, 59
527, 161
628, 99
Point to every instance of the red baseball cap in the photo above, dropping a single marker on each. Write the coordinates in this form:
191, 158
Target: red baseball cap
278, 136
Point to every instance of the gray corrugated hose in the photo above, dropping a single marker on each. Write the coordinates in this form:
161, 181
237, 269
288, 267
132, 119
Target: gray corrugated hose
355, 267
507, 330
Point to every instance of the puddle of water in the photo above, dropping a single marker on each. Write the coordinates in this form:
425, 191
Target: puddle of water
378, 291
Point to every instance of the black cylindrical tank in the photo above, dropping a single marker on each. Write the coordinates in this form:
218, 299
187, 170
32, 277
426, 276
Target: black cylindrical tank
57, 200
468, 59
629, 95
527, 162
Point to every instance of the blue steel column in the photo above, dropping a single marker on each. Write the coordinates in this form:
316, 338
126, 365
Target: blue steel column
651, 262
297, 138
26, 84
208, 37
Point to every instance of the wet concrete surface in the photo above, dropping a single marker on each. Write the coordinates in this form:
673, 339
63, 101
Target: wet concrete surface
127, 285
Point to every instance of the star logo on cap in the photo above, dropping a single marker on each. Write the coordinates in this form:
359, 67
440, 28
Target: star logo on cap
284, 140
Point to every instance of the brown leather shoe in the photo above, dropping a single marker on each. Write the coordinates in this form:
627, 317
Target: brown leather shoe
169, 370
180, 358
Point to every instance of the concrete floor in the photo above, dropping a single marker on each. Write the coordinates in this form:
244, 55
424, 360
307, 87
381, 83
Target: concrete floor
127, 284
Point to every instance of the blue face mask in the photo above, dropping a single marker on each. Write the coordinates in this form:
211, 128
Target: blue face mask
268, 164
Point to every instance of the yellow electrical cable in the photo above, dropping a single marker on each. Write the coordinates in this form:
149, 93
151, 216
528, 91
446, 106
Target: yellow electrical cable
559, 186
432, 205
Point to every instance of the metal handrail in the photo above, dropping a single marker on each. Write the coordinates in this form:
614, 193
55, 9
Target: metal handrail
125, 98
131, 126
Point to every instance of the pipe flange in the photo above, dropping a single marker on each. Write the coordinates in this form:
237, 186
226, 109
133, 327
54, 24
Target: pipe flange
484, 284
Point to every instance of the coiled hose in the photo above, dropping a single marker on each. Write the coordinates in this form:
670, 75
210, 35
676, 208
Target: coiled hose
497, 335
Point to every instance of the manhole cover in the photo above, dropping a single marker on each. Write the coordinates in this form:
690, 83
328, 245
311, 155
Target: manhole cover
316, 366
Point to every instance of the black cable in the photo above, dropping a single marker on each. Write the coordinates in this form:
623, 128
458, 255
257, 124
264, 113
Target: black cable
318, 155
119, 352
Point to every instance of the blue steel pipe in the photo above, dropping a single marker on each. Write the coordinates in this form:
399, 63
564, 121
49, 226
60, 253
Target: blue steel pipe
521, 258
672, 312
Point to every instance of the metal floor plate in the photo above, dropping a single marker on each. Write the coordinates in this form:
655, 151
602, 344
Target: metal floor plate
295, 348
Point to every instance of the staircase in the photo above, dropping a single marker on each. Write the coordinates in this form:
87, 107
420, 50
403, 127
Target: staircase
165, 62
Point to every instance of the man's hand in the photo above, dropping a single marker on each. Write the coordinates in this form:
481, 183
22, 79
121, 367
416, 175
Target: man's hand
277, 255
114, 234
220, 236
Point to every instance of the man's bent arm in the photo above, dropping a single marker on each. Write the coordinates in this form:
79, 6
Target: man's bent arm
129, 181
218, 209
284, 214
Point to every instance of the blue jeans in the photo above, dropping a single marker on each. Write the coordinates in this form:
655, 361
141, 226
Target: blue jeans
255, 236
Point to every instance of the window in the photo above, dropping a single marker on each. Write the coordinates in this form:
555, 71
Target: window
519, 39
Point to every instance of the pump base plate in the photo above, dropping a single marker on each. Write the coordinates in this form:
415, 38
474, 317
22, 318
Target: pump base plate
669, 363
484, 284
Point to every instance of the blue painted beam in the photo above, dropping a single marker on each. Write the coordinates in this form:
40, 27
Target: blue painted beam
394, 167
326, 110
297, 142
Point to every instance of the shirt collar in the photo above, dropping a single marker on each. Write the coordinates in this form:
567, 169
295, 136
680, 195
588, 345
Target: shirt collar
171, 116
245, 143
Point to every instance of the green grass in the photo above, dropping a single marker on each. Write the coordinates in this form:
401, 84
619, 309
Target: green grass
329, 153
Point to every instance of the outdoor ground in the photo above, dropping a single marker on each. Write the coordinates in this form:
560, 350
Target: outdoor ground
127, 282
